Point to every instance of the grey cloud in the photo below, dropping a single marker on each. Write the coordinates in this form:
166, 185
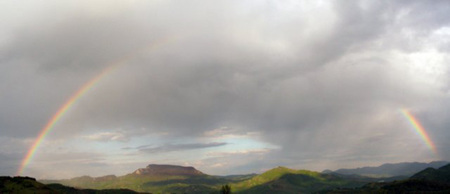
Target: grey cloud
108, 136
240, 162
138, 147
307, 81
9, 163
197, 90
179, 147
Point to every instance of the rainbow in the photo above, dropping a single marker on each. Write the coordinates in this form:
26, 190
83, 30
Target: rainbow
419, 130
60, 113
73, 99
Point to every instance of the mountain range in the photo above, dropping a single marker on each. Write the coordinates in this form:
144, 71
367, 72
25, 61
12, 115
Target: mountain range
404, 169
163, 178
430, 180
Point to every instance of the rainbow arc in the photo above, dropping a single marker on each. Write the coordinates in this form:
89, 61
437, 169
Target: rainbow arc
77, 95
59, 114
420, 130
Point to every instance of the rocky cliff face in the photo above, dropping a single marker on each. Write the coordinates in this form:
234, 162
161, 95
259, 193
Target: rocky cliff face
171, 170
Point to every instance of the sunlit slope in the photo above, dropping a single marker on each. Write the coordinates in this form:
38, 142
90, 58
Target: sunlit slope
285, 180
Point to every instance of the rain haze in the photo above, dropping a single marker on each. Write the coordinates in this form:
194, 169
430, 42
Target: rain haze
229, 87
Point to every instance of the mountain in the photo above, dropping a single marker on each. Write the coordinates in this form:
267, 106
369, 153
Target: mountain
167, 170
390, 170
156, 178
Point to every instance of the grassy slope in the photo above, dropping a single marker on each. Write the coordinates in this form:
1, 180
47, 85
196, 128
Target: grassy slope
284, 180
154, 184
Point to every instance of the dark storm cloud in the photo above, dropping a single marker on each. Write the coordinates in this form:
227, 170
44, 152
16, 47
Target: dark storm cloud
308, 78
212, 81
178, 147
83, 43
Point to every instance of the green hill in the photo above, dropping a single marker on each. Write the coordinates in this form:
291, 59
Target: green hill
139, 183
285, 180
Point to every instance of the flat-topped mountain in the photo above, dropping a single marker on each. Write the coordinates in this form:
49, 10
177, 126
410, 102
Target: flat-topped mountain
171, 170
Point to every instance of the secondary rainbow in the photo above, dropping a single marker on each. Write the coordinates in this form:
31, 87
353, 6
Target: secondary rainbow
60, 113
420, 130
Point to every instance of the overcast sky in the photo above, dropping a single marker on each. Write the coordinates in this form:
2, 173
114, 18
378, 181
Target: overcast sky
229, 87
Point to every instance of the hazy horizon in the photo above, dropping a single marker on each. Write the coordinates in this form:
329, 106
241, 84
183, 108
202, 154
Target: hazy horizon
228, 87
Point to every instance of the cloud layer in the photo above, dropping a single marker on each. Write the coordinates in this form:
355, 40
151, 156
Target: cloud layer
312, 84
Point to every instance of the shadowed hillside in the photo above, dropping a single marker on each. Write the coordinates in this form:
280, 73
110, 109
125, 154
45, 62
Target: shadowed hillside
24, 185
429, 180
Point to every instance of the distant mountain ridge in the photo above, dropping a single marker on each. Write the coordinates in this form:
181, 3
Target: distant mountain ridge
430, 180
390, 169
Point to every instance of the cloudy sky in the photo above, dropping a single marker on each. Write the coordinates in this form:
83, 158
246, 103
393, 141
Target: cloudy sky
229, 87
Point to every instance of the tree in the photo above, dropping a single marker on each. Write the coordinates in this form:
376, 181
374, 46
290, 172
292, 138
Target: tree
226, 189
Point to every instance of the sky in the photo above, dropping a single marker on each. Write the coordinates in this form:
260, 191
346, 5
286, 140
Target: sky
229, 87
